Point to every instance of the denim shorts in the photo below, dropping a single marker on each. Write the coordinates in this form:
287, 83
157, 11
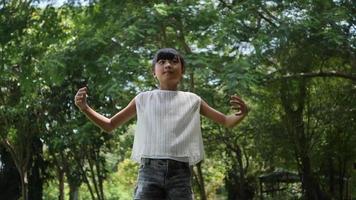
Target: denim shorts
163, 179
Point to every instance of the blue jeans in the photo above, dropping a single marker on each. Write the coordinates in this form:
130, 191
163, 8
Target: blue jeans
163, 179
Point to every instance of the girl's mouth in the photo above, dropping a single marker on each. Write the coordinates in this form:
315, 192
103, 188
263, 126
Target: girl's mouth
168, 72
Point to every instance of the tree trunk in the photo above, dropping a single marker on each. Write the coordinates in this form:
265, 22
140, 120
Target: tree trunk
96, 174
330, 174
21, 166
10, 181
231, 185
86, 179
241, 174
61, 183
200, 180
35, 184
293, 103
237, 186
99, 174
308, 182
73, 192
24, 185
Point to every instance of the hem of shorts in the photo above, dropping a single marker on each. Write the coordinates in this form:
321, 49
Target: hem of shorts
138, 159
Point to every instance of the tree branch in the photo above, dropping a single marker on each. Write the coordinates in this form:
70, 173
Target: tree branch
267, 20
225, 4
350, 76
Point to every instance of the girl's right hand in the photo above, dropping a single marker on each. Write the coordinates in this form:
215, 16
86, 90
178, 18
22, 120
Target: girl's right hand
80, 99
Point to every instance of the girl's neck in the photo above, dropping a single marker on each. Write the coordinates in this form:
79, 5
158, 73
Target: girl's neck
168, 87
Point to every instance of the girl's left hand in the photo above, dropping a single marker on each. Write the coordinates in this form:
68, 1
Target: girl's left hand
239, 105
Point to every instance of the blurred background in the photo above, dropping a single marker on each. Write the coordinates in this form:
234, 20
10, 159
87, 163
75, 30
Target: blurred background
292, 61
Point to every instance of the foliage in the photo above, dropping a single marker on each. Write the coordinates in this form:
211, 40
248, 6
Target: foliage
293, 62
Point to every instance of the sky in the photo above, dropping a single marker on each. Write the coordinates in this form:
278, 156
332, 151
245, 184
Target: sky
58, 3
55, 3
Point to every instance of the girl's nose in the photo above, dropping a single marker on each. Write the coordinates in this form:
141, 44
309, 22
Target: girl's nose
167, 64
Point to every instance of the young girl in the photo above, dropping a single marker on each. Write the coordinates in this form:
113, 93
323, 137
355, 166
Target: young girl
168, 136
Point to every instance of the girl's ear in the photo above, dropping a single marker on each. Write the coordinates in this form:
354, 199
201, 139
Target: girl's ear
153, 72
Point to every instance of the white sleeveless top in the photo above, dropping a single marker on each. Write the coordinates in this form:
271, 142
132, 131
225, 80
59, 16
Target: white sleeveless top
168, 126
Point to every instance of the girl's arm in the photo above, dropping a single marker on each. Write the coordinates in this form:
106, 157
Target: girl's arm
106, 124
228, 121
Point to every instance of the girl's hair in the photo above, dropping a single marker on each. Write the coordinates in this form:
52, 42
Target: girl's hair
168, 54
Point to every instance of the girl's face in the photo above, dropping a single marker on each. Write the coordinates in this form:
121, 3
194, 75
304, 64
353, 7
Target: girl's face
168, 72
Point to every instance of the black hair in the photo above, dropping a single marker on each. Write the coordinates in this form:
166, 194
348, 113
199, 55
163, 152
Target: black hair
168, 54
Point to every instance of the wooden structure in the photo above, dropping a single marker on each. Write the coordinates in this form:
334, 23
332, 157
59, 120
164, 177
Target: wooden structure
276, 181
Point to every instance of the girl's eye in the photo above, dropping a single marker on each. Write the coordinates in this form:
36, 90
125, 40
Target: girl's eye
175, 61
161, 62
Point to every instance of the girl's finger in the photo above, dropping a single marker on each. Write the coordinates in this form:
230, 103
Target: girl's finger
81, 91
240, 108
237, 103
238, 113
237, 107
235, 97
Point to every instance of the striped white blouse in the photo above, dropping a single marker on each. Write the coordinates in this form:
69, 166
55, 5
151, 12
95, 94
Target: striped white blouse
168, 126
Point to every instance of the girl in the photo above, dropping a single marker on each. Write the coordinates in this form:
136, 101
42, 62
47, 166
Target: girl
168, 136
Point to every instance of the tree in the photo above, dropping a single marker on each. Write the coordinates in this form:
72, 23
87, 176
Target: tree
20, 87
